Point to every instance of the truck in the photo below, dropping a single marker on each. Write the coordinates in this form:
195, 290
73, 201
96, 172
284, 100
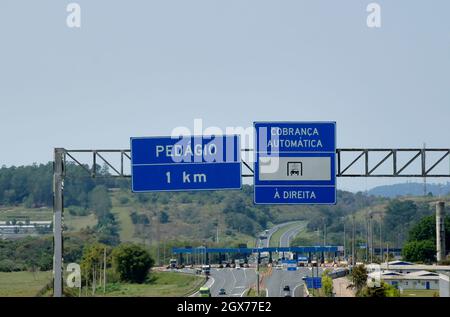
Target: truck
173, 263
206, 269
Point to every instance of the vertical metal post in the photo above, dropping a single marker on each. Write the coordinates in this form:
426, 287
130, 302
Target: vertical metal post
345, 245
58, 206
353, 241
257, 274
381, 242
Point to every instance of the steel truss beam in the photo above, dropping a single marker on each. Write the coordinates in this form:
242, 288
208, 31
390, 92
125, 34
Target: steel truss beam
63, 158
371, 166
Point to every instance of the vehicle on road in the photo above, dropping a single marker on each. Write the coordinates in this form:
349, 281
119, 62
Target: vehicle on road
222, 292
286, 288
206, 269
172, 264
205, 292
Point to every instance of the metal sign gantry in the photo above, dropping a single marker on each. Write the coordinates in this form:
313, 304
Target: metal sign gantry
120, 166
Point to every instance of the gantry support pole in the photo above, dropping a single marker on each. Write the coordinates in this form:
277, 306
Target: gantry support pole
58, 206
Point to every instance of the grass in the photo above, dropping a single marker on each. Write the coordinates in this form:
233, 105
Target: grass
166, 284
76, 223
23, 284
19, 213
252, 293
420, 293
126, 225
275, 238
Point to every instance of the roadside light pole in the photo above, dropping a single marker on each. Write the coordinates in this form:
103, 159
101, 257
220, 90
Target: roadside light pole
257, 275
353, 241
343, 220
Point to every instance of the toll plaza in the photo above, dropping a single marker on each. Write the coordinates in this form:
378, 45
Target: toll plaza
297, 252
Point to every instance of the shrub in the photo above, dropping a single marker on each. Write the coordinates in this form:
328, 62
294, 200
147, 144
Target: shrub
132, 263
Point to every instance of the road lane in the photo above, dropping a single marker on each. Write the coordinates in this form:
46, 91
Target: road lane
264, 243
285, 238
234, 281
281, 278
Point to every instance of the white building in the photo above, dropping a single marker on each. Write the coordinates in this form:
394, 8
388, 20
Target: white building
444, 285
422, 280
406, 267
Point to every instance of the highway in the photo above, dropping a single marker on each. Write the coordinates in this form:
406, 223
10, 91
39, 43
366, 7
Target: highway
281, 278
237, 281
286, 237
265, 242
234, 281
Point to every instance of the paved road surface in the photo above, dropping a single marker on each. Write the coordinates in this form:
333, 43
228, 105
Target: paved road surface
340, 287
234, 281
280, 278
265, 242
287, 237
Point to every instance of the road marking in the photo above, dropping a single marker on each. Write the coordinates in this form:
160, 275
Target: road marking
296, 288
211, 279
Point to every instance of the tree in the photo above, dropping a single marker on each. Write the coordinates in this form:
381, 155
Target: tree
359, 276
399, 212
99, 201
425, 229
419, 251
91, 260
327, 284
163, 217
132, 263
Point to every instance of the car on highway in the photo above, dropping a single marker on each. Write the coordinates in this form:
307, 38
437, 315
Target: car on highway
222, 292
286, 288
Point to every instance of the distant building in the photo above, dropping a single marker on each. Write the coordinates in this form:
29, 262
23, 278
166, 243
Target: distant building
444, 285
407, 267
418, 280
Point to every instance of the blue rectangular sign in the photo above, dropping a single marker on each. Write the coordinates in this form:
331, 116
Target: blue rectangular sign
295, 163
313, 282
185, 163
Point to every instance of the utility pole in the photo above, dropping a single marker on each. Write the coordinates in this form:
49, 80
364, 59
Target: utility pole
381, 243
367, 240
353, 241
257, 275
343, 219
156, 218
371, 239
217, 233
104, 271
58, 208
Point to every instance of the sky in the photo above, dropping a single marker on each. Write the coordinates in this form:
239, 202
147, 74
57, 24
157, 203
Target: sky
142, 68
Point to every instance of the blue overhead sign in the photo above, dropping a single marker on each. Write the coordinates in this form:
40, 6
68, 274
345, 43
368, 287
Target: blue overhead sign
295, 163
185, 163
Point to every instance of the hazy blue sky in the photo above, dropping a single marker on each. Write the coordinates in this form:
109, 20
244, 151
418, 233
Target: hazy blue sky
144, 67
